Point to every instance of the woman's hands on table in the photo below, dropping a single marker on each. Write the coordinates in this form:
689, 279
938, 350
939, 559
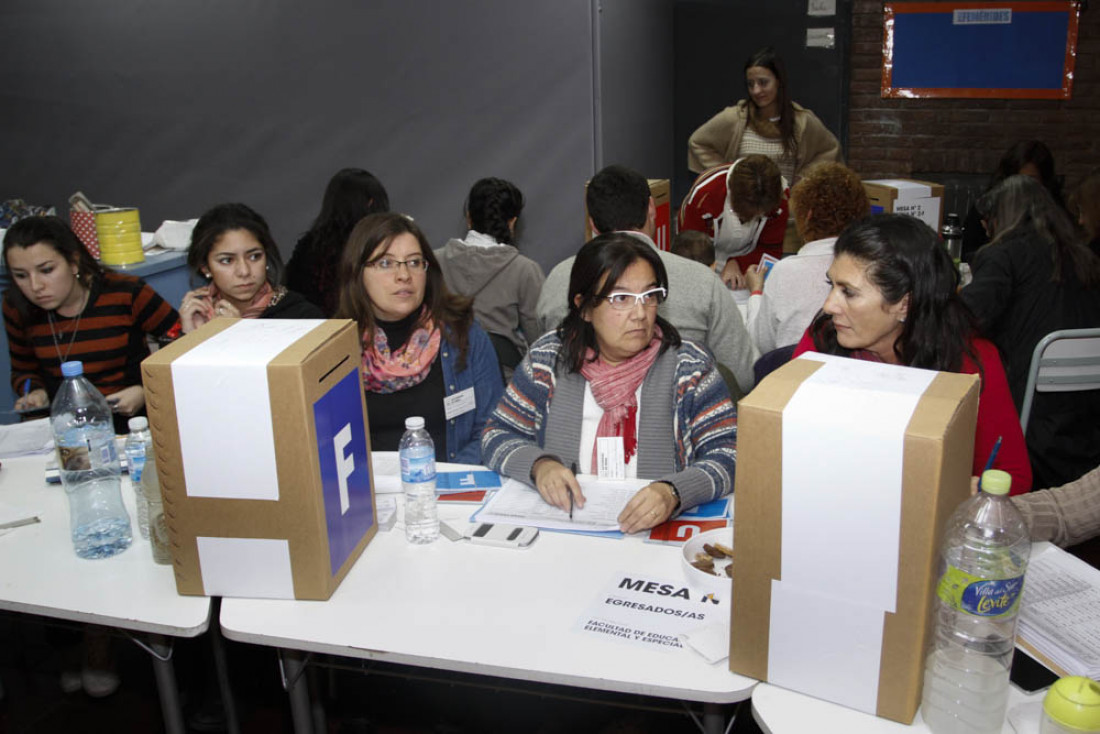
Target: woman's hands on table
554, 482
651, 506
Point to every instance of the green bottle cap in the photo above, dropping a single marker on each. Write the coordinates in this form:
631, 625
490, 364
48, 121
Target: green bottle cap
995, 481
1074, 703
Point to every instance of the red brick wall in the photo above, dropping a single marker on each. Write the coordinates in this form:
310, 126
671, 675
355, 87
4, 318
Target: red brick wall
904, 137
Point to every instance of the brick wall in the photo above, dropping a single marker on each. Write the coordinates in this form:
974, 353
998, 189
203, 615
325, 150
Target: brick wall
904, 137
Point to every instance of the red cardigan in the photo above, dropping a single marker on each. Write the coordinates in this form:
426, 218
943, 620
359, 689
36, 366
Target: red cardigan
996, 413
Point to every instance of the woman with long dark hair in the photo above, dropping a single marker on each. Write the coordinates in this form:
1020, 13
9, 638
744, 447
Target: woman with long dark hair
1024, 158
351, 194
63, 306
768, 122
893, 298
233, 250
614, 369
423, 354
1036, 276
487, 267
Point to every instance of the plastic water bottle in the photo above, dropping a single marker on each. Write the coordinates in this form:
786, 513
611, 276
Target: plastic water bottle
417, 454
139, 451
84, 434
136, 441
985, 553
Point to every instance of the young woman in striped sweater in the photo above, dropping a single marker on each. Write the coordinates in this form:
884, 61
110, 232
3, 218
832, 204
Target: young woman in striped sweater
66, 307
616, 369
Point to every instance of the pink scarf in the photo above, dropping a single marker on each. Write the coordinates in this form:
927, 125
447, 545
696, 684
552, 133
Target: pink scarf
614, 389
387, 372
265, 297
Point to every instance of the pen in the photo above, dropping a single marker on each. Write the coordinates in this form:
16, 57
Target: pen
26, 386
572, 468
992, 458
19, 523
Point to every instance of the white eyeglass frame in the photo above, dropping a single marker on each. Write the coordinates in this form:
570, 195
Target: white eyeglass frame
661, 290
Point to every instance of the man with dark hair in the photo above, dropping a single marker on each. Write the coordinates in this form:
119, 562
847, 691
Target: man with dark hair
699, 305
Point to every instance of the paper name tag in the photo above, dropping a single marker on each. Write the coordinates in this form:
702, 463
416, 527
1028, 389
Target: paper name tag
610, 457
459, 403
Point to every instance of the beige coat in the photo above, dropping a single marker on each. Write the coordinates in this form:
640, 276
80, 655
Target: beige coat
718, 140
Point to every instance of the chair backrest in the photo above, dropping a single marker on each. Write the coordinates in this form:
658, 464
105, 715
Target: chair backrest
1063, 361
508, 354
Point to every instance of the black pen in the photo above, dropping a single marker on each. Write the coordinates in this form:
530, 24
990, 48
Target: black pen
572, 468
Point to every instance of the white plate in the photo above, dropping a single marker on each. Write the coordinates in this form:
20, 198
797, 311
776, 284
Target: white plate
720, 584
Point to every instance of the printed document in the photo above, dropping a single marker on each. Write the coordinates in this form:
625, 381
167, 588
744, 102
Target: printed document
517, 504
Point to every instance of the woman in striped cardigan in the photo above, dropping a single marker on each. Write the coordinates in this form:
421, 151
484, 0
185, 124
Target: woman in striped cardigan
614, 368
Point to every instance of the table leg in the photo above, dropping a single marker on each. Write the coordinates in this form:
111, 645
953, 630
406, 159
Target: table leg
293, 663
320, 722
160, 649
221, 667
714, 719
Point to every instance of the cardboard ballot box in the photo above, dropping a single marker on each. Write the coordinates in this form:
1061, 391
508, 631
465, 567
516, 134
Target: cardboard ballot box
846, 474
263, 456
921, 199
659, 190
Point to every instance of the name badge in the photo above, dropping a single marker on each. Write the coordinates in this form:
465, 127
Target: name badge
459, 403
610, 457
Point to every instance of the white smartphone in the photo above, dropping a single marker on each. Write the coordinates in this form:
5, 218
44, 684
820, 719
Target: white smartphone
505, 536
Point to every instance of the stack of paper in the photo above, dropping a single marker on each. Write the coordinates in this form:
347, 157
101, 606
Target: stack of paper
518, 504
1060, 613
25, 439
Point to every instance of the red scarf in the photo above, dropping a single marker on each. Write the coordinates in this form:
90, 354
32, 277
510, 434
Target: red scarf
266, 296
615, 388
386, 371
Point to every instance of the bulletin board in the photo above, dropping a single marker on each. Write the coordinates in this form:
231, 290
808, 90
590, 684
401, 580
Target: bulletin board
991, 50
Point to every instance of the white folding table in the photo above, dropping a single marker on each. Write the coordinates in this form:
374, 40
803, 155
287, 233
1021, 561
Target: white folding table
41, 574
490, 611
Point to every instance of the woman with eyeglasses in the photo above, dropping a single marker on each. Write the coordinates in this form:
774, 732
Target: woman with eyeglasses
423, 354
232, 248
615, 380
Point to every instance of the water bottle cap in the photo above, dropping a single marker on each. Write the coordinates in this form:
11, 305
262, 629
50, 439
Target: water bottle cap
72, 369
138, 423
414, 422
995, 481
1074, 703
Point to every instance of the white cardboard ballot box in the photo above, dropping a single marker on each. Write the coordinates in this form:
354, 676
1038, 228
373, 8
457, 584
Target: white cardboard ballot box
263, 454
846, 474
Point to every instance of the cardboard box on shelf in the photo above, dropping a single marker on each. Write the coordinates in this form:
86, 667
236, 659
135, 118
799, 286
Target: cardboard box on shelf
659, 190
263, 455
921, 199
846, 474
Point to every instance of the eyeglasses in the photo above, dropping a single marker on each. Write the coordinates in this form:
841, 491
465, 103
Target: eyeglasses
626, 301
386, 264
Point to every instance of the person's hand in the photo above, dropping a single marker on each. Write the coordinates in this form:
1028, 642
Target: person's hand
732, 275
651, 506
754, 277
225, 309
33, 400
195, 310
127, 401
554, 482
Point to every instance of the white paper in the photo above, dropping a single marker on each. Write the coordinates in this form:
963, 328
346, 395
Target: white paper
517, 504
386, 466
1060, 611
25, 439
821, 7
820, 38
843, 443
650, 611
828, 650
246, 567
712, 642
220, 389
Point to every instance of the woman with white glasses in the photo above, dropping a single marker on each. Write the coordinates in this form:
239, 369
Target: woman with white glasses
615, 380
423, 354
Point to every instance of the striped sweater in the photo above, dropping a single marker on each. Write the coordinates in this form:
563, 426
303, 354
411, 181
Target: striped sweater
687, 424
121, 311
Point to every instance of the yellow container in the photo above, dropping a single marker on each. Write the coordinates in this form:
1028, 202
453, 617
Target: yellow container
119, 233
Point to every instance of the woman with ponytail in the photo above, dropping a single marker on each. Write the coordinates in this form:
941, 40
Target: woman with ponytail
487, 267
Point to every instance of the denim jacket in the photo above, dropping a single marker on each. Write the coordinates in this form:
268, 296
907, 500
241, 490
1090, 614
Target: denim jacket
482, 373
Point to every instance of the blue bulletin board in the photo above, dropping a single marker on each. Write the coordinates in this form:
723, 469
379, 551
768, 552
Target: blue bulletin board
1014, 50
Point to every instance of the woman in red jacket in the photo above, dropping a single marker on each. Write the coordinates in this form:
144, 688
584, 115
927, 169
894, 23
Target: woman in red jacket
894, 298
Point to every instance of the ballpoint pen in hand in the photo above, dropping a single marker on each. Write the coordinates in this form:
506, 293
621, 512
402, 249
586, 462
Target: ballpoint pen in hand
572, 468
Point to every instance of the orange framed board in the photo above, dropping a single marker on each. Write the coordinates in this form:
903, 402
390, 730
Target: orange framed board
991, 50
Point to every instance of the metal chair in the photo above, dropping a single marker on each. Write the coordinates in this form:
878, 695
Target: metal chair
1063, 361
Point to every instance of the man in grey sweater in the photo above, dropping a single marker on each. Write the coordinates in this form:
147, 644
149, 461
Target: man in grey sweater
699, 305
